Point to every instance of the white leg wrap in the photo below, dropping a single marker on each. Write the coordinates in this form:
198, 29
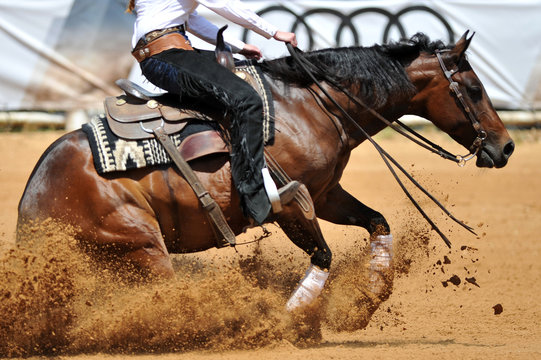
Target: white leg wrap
272, 191
381, 261
309, 288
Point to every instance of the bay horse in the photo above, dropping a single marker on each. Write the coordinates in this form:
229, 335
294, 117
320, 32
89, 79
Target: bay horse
142, 216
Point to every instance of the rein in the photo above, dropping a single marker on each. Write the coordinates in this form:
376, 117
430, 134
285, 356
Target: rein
305, 64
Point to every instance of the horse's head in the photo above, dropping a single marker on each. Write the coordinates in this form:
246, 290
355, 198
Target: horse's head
450, 95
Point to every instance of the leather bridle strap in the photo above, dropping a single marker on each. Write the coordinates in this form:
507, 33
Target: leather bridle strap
453, 85
303, 63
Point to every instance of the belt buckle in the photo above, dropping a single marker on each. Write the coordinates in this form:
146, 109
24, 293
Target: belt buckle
153, 35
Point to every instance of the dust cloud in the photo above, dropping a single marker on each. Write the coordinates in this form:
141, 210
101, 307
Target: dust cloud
57, 300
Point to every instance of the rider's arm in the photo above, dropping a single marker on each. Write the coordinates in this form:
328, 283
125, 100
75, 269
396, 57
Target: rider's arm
207, 31
237, 12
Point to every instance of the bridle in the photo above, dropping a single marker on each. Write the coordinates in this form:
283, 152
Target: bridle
481, 134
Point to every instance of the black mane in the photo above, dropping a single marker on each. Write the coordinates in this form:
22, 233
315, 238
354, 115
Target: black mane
378, 70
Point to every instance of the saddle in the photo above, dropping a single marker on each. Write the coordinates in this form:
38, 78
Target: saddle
139, 115
134, 115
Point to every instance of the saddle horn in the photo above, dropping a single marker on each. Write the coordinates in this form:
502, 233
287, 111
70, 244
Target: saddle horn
224, 56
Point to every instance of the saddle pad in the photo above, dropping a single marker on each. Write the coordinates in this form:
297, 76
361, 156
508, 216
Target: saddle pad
112, 153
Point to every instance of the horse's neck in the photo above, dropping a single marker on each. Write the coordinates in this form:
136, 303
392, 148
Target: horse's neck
366, 121
324, 118
421, 72
305, 121
317, 135
322, 114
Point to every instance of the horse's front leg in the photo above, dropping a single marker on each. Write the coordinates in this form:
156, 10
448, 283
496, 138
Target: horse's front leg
299, 223
340, 207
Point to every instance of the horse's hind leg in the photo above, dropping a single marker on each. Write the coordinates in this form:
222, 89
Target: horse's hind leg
339, 207
134, 243
152, 260
299, 223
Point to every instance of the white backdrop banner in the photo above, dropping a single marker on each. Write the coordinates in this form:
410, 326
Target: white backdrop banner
62, 54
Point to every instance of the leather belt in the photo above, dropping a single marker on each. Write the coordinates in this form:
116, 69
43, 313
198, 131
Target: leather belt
153, 35
172, 40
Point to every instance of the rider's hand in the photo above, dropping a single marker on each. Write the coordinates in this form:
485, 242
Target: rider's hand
287, 37
251, 52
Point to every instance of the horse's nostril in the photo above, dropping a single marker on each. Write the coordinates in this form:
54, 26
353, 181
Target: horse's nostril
508, 148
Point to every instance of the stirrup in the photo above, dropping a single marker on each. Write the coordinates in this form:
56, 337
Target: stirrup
279, 197
288, 191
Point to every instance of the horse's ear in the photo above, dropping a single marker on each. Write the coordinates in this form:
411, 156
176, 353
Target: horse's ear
462, 45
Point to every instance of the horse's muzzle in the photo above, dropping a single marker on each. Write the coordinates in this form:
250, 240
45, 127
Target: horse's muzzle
493, 156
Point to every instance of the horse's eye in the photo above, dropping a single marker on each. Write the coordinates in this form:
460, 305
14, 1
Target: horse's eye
475, 93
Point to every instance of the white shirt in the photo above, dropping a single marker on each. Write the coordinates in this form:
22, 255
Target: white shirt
161, 14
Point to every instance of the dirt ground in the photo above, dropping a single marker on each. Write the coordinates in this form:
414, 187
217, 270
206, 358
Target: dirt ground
479, 299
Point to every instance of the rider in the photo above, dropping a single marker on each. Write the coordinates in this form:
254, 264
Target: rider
180, 69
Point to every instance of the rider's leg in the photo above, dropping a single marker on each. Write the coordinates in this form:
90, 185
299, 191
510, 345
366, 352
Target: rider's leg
197, 74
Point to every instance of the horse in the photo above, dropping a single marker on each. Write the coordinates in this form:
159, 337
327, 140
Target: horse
141, 216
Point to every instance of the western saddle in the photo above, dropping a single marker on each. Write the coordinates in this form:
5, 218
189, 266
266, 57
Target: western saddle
139, 114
